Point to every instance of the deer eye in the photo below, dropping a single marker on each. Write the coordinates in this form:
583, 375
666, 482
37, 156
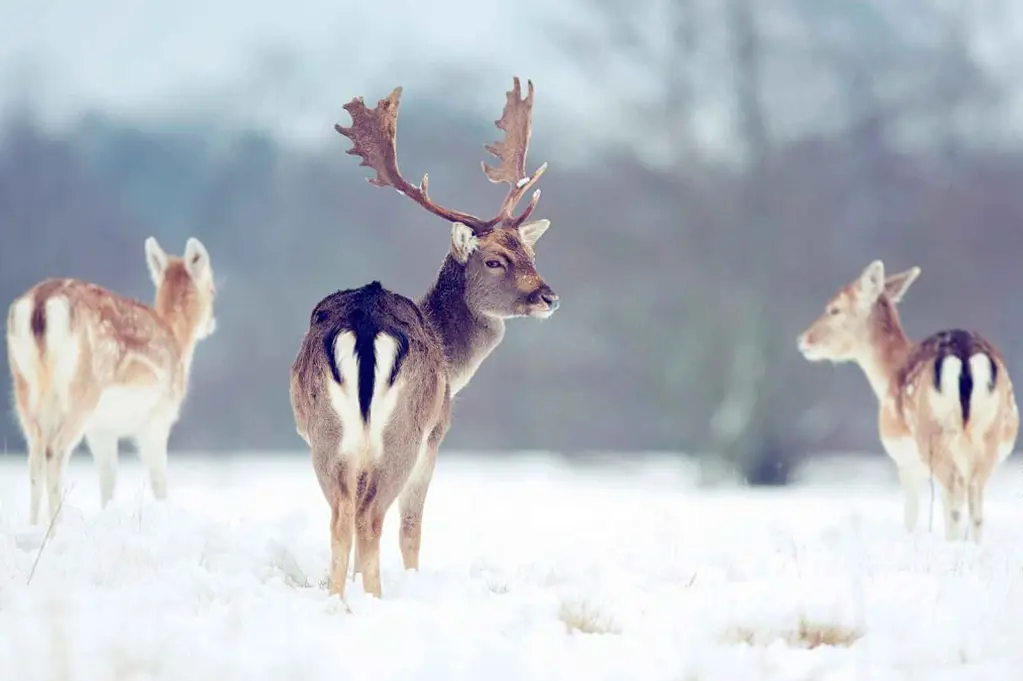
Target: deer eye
833, 311
494, 264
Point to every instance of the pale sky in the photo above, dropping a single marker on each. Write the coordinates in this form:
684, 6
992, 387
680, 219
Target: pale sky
288, 67
165, 58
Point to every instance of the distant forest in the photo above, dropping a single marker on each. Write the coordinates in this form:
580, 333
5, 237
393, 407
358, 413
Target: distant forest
683, 285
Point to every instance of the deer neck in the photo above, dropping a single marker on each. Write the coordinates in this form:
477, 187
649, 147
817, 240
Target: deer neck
887, 348
468, 335
183, 331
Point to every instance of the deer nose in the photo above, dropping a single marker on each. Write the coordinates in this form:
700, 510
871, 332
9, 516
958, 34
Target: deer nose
546, 295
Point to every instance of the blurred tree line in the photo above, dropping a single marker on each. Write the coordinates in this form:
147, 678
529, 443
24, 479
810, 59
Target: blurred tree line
685, 273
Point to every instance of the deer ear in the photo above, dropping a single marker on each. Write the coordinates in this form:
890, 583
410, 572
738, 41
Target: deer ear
871, 283
532, 231
896, 285
156, 259
463, 242
197, 259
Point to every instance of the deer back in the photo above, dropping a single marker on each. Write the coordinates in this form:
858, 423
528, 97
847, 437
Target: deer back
105, 340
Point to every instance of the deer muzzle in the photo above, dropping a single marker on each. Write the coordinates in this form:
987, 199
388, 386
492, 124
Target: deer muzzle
807, 344
543, 301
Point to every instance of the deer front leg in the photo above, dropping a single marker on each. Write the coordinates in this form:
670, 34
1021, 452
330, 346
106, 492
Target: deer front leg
904, 451
103, 447
153, 452
954, 497
411, 503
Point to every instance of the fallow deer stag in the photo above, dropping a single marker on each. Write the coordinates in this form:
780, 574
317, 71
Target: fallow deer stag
372, 384
89, 362
947, 407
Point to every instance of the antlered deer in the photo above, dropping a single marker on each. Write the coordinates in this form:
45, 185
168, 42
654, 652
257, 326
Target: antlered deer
372, 384
947, 407
89, 362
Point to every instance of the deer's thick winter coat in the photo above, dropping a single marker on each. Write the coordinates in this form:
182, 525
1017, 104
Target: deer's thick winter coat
88, 362
372, 384
947, 406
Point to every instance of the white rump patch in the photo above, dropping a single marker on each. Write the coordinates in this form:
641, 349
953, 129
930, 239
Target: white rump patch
52, 372
62, 348
359, 440
984, 402
385, 396
344, 397
945, 400
980, 370
23, 347
951, 368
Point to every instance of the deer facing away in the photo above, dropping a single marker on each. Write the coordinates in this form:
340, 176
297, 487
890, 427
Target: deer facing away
372, 384
89, 362
947, 407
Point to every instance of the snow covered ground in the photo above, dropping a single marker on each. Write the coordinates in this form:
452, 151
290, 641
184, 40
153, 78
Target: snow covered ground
531, 570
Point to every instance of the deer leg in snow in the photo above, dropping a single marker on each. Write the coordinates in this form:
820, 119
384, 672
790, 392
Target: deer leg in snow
342, 515
910, 480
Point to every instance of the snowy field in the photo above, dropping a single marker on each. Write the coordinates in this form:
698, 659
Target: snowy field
531, 570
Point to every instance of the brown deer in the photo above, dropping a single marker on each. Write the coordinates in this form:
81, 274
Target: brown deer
947, 408
89, 362
372, 384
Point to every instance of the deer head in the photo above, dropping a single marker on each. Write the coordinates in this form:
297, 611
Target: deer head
497, 255
184, 285
843, 332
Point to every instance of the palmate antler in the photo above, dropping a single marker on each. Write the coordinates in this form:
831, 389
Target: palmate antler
373, 133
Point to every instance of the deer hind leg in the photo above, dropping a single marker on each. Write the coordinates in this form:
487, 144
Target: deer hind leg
369, 523
978, 482
36, 477
36, 447
57, 458
369, 528
103, 447
938, 455
910, 477
356, 565
976, 502
342, 516
57, 454
954, 496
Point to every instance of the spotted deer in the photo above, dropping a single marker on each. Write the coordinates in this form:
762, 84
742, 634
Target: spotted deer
89, 362
372, 384
947, 408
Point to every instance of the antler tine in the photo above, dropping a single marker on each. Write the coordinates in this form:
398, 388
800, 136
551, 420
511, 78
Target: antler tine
515, 222
517, 123
373, 134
